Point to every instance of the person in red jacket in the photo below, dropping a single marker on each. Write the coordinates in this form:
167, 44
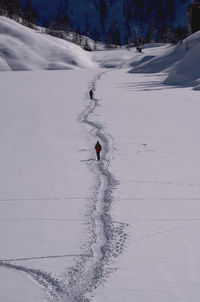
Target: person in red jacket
91, 93
98, 149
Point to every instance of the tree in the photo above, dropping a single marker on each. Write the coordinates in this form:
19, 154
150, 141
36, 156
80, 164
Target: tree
170, 9
87, 24
180, 33
66, 23
127, 11
149, 35
11, 7
160, 14
29, 13
113, 35
86, 45
102, 12
127, 36
58, 21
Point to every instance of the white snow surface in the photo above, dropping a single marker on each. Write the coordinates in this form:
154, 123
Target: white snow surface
125, 228
187, 70
22, 48
181, 62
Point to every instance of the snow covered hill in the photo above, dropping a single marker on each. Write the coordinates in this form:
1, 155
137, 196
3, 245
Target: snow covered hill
180, 62
124, 228
187, 69
22, 48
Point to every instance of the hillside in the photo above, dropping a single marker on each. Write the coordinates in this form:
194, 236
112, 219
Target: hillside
122, 228
22, 48
179, 62
118, 20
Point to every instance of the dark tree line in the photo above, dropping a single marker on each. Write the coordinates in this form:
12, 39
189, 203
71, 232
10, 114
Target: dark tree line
29, 14
10, 7
142, 20
26, 13
149, 10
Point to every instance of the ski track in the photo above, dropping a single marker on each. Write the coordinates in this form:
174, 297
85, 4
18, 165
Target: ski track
106, 241
106, 236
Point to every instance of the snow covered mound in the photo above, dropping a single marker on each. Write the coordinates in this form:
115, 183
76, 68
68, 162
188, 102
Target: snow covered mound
165, 58
22, 48
181, 62
187, 70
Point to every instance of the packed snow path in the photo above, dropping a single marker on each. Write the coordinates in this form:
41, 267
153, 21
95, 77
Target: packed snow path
89, 270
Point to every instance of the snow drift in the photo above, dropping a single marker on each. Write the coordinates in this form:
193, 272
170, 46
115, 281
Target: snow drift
180, 62
167, 56
187, 70
22, 48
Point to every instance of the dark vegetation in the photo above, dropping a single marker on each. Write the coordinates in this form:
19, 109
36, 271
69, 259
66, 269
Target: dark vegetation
139, 21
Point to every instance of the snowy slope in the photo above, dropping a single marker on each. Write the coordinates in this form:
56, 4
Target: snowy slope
180, 62
122, 229
24, 49
125, 228
187, 70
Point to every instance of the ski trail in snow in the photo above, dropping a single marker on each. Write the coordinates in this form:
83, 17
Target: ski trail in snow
53, 286
106, 239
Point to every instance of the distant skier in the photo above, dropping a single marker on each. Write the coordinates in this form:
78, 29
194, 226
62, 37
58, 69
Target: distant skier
91, 93
98, 149
139, 48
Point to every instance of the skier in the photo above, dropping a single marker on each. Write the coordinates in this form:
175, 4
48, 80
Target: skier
91, 93
98, 149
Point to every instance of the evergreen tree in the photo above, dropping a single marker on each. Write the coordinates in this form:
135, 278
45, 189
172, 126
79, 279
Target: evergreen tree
149, 11
87, 24
160, 14
127, 37
102, 12
96, 35
170, 10
11, 7
66, 4
149, 35
66, 23
113, 35
127, 11
180, 33
29, 13
58, 21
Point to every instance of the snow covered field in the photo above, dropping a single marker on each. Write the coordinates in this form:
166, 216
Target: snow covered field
156, 162
125, 228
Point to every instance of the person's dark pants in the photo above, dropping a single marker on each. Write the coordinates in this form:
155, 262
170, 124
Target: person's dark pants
98, 155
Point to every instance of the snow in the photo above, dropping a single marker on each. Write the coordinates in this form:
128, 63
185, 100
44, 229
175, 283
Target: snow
187, 71
22, 288
42, 164
181, 62
155, 131
22, 48
125, 228
167, 56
